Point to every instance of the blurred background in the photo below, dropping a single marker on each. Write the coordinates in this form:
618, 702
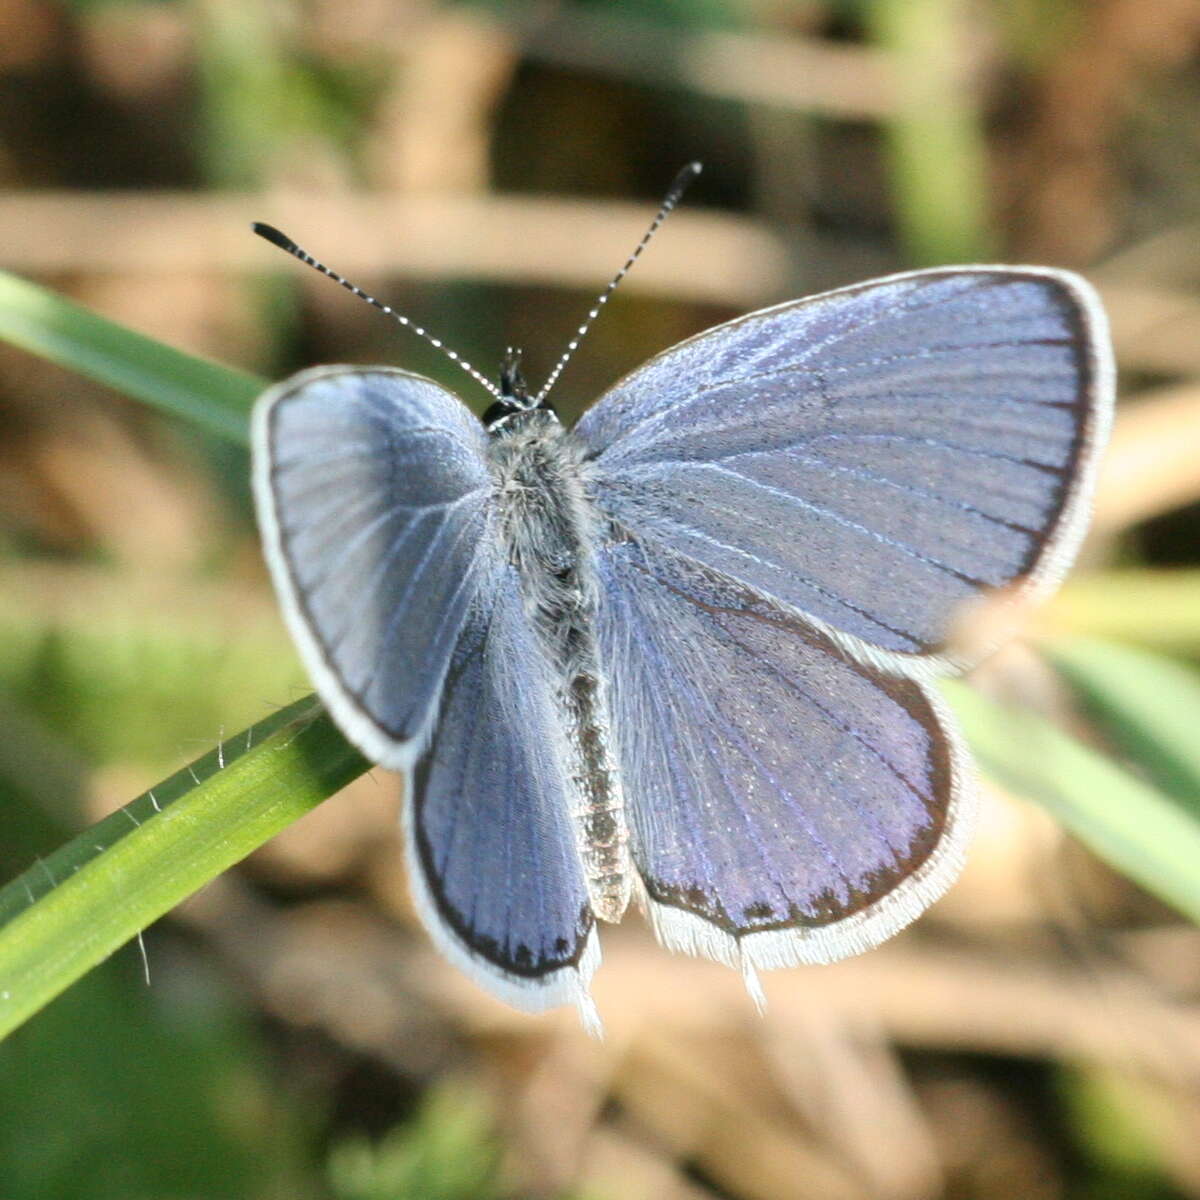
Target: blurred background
289, 1032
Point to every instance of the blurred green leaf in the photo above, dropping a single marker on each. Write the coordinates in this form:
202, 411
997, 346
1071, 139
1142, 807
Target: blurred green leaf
696, 16
935, 140
43, 785
265, 95
1147, 705
118, 1091
447, 1152
1126, 822
1157, 608
122, 684
73, 909
1118, 1134
214, 397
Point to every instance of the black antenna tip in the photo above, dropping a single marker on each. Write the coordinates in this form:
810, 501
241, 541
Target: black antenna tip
271, 234
682, 181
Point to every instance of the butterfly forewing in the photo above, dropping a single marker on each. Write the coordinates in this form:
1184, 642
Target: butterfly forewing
372, 491
786, 804
873, 458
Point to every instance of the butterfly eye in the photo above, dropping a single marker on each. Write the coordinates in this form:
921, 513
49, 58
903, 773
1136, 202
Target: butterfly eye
495, 413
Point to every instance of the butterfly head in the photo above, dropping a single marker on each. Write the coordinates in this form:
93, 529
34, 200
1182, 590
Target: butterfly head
514, 396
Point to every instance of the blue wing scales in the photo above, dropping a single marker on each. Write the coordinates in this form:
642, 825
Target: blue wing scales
490, 841
785, 803
874, 458
373, 499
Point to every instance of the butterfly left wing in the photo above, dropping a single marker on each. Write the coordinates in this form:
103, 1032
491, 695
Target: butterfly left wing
876, 457
786, 804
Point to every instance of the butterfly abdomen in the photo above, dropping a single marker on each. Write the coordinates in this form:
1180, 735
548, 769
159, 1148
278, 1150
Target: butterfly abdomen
547, 526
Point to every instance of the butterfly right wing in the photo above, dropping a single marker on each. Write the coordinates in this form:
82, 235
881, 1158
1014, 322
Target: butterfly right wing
876, 459
491, 847
373, 491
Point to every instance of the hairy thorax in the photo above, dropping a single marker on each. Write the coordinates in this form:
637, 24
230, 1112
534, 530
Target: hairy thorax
548, 526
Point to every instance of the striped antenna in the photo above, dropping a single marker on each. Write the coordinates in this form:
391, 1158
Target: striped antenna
672, 198
284, 242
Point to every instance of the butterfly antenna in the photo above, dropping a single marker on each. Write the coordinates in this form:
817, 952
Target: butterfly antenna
272, 235
678, 187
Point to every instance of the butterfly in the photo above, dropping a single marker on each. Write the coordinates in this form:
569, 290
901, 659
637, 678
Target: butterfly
686, 652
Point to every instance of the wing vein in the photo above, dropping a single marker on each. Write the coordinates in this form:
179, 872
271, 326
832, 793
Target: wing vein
911, 304
838, 518
685, 687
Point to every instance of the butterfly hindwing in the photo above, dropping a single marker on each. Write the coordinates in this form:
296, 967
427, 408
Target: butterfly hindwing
490, 841
785, 803
373, 498
873, 457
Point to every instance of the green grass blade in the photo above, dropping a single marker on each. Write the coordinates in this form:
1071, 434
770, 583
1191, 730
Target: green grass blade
17, 895
1147, 704
215, 397
1124, 821
101, 889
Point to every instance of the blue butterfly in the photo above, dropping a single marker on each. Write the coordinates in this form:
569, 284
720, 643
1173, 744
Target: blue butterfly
686, 652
